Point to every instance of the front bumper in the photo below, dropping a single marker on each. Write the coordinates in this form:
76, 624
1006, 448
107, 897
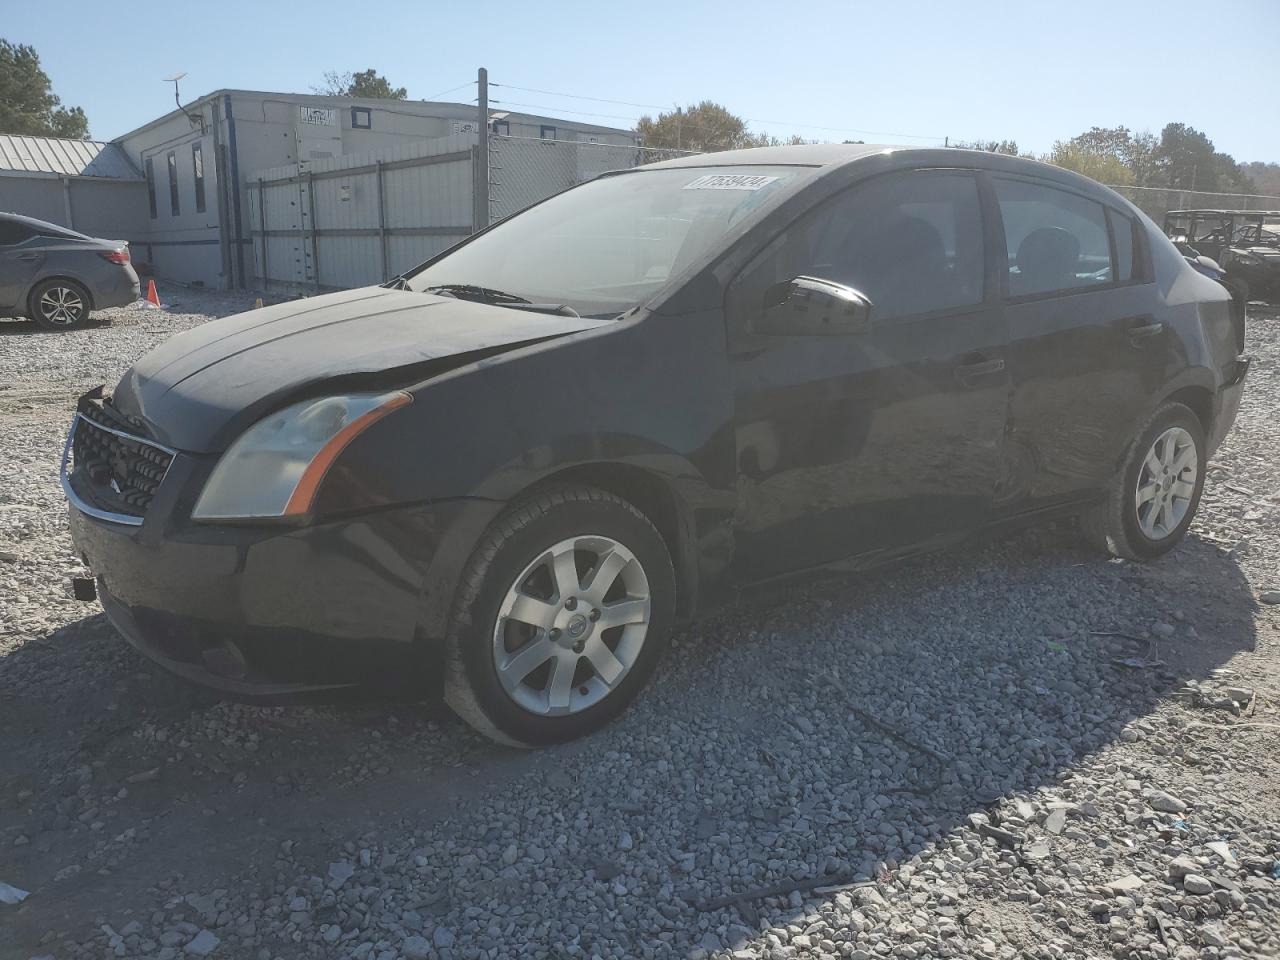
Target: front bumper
1228, 403
274, 614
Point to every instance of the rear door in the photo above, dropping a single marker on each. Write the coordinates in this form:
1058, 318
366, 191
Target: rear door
1088, 351
20, 257
865, 442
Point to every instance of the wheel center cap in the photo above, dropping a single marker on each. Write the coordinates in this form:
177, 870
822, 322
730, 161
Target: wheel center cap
1167, 482
577, 627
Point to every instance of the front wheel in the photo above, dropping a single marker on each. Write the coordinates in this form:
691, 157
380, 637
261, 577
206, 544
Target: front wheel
1153, 497
59, 304
562, 615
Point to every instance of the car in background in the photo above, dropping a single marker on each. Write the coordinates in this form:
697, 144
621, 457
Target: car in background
510, 471
57, 276
1244, 243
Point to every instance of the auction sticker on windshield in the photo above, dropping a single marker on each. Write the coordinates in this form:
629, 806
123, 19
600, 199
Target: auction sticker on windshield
729, 181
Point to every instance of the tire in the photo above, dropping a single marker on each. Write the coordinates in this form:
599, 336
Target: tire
512, 613
59, 304
1119, 525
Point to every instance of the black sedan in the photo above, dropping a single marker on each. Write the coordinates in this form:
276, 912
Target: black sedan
56, 276
512, 470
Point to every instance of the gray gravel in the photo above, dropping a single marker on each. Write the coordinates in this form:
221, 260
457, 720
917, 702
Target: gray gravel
1018, 749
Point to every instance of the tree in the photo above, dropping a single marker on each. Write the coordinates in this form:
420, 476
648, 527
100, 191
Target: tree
989, 146
1265, 177
1192, 163
1101, 166
367, 83
705, 128
1136, 151
27, 103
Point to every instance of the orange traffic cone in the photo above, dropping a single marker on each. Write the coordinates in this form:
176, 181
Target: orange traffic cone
153, 298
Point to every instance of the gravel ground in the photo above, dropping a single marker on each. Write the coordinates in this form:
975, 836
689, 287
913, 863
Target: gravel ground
1018, 749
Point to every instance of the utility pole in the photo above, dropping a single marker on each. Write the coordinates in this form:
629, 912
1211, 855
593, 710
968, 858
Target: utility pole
481, 190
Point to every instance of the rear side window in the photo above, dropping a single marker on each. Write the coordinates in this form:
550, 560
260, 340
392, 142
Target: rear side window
12, 232
1056, 240
1123, 232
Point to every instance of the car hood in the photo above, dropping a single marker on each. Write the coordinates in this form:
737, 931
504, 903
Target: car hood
1264, 252
198, 390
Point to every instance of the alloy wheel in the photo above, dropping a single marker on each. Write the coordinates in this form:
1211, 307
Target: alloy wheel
571, 626
61, 306
1166, 483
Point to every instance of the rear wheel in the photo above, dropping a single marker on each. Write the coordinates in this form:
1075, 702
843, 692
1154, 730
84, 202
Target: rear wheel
1153, 497
561, 617
59, 304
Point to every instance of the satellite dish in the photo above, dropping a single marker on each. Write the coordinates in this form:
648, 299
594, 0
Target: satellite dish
197, 121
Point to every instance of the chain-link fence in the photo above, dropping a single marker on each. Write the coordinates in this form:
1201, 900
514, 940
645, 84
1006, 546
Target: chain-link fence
1155, 202
524, 170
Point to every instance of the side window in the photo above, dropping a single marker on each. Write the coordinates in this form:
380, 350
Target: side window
151, 186
173, 183
547, 133
197, 173
1124, 232
12, 232
1056, 240
912, 243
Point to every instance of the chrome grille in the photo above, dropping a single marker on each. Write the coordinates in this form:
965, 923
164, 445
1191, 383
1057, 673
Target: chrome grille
112, 466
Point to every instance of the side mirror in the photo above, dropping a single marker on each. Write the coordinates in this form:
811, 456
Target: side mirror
809, 306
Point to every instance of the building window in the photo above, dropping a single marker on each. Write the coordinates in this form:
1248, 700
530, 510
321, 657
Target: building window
547, 133
197, 173
361, 118
173, 183
151, 187
502, 128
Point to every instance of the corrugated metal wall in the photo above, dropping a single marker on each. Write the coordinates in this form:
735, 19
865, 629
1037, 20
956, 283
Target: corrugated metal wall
524, 170
360, 219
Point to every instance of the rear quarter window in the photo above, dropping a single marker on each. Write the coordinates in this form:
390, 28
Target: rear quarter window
1124, 231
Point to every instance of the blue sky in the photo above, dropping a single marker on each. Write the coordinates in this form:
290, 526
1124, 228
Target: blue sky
1028, 70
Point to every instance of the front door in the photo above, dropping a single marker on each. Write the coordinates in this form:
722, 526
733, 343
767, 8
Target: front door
871, 441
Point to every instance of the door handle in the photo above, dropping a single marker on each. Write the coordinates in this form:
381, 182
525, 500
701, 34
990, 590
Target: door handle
1142, 328
966, 373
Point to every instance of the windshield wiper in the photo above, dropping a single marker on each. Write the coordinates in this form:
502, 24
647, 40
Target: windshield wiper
465, 291
470, 291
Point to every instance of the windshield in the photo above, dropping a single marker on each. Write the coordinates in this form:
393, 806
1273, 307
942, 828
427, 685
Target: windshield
610, 244
1258, 233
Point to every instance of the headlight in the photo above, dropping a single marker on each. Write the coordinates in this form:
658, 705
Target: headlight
274, 469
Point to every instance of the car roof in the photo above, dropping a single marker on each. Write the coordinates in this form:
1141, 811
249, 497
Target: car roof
824, 158
44, 225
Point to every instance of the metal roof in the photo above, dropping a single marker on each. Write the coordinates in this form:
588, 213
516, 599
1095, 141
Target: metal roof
52, 156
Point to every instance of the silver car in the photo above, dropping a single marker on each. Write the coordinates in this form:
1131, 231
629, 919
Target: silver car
56, 276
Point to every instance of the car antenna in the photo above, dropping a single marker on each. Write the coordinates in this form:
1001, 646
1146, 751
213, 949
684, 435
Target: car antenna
194, 121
